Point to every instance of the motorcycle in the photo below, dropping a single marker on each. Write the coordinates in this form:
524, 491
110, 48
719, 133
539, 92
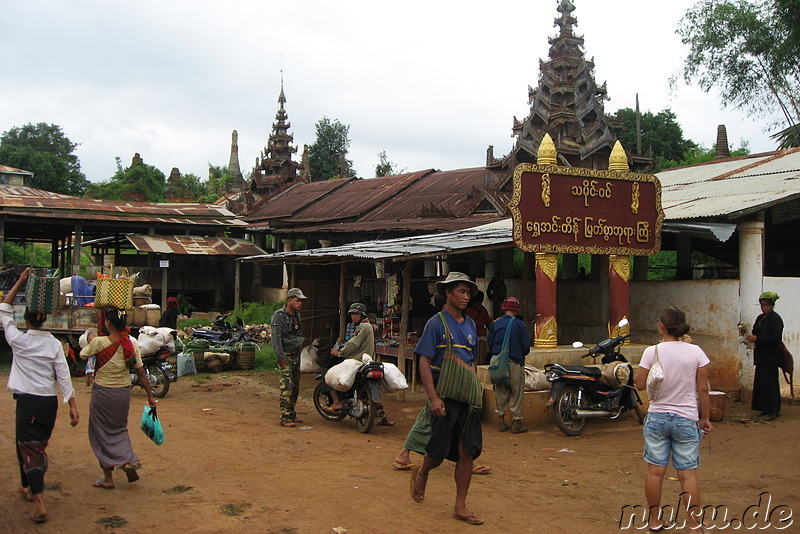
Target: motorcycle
578, 393
362, 402
159, 371
222, 333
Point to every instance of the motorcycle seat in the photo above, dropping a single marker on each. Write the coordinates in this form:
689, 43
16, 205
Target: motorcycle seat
590, 371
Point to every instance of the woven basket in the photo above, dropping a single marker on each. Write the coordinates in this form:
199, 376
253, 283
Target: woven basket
114, 292
43, 294
246, 356
718, 403
198, 347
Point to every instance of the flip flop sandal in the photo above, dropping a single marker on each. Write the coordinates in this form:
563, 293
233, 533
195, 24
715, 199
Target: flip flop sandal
472, 519
331, 411
481, 470
296, 420
286, 423
38, 519
130, 472
102, 485
402, 467
25, 494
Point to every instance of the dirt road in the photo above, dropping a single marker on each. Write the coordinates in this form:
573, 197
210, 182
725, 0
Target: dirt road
227, 466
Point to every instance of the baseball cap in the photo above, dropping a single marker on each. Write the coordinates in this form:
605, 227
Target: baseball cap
295, 293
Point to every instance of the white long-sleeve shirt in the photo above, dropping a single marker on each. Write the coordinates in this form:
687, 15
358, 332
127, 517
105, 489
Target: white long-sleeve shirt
38, 362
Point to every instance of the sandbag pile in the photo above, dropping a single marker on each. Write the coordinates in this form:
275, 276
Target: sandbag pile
151, 339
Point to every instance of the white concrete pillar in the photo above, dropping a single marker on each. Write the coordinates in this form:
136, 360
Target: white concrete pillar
751, 275
288, 244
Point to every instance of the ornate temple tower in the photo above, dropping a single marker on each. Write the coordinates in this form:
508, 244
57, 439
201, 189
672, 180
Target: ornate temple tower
567, 104
275, 170
233, 164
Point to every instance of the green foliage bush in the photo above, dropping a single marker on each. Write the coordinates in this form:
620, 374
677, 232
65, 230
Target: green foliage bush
265, 358
256, 312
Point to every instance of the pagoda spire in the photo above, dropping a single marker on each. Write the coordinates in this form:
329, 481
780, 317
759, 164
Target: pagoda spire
567, 104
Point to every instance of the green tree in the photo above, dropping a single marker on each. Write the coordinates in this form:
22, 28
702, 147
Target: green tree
219, 182
748, 51
138, 183
329, 151
660, 132
46, 151
386, 167
701, 154
185, 186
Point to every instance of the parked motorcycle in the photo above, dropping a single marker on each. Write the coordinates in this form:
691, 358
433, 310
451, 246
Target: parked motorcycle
362, 402
159, 371
578, 394
222, 333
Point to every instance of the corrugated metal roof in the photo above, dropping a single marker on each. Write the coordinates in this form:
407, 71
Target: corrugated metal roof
295, 199
193, 245
27, 201
357, 198
482, 237
730, 188
419, 224
11, 170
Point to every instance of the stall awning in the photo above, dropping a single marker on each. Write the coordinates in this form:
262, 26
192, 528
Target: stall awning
194, 245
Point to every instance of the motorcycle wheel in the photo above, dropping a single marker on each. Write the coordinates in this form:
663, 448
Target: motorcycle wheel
367, 419
568, 401
159, 382
322, 399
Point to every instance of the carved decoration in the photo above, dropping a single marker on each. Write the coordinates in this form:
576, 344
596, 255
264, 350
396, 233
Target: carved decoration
548, 264
546, 189
620, 265
546, 335
635, 197
618, 161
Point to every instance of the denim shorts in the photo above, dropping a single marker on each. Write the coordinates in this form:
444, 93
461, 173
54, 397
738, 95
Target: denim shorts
666, 433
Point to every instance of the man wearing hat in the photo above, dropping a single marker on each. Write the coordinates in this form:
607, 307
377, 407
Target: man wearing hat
287, 340
519, 345
446, 352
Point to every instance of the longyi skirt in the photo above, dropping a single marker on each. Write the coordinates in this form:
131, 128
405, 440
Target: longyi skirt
108, 426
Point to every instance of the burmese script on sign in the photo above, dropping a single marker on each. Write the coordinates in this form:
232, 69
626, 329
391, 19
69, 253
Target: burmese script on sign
572, 210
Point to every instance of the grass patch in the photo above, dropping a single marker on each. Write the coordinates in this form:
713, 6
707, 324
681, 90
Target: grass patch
265, 358
255, 312
194, 321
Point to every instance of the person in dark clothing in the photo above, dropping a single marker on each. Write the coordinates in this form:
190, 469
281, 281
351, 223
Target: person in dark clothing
510, 394
170, 316
767, 336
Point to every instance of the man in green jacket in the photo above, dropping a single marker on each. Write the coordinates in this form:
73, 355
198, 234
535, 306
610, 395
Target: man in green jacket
287, 340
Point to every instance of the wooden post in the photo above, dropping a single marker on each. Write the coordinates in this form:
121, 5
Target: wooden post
164, 276
237, 297
342, 297
76, 254
404, 308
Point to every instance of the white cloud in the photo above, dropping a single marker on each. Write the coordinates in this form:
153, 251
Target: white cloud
431, 83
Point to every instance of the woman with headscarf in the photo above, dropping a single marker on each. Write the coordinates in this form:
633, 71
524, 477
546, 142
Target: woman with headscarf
767, 336
170, 316
116, 355
38, 364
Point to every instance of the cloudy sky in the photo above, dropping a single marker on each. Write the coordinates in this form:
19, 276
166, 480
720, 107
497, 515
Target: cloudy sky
433, 83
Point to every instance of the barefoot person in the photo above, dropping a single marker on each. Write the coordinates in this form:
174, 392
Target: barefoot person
674, 427
115, 356
446, 353
38, 364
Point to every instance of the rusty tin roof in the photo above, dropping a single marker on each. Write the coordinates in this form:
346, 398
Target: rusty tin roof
194, 245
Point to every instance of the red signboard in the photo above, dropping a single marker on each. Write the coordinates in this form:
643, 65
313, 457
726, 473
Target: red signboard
584, 211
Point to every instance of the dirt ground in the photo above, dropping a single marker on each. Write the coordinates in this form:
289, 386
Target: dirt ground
227, 466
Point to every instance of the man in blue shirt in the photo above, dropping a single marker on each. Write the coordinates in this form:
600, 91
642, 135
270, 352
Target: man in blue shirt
447, 350
519, 345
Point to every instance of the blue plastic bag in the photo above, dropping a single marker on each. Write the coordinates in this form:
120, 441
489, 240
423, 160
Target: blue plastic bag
151, 425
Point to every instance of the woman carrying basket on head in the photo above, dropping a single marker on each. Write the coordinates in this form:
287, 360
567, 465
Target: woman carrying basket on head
116, 354
39, 363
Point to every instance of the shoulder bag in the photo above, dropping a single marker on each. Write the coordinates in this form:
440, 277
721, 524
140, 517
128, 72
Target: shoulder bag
655, 379
499, 372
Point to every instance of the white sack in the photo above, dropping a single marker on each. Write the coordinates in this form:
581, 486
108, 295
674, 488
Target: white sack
393, 380
150, 339
66, 285
341, 376
535, 379
308, 360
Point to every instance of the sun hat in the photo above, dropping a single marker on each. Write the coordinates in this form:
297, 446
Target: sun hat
455, 276
512, 304
295, 293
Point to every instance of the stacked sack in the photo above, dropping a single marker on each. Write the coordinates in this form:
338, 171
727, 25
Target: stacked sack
151, 339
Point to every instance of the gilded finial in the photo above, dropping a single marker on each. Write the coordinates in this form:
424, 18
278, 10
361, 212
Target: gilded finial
618, 161
547, 151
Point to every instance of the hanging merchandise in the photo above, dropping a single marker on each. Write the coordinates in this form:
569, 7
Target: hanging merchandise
392, 289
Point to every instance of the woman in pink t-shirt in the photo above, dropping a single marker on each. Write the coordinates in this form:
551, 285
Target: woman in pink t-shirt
673, 425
